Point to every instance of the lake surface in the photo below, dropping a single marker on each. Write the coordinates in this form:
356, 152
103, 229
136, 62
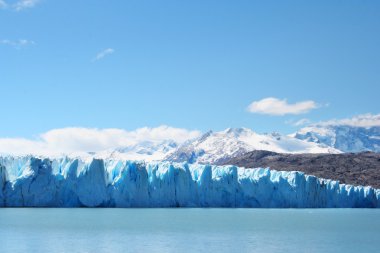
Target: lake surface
189, 230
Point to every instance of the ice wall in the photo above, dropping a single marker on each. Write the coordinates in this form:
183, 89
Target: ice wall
34, 182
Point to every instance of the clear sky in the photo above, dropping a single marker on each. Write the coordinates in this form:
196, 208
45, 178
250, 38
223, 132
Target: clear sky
188, 64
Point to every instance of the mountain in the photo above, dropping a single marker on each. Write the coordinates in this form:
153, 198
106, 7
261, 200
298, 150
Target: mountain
34, 182
361, 133
347, 138
349, 168
139, 151
218, 147
146, 150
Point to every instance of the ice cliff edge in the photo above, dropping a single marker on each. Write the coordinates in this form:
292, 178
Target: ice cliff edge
34, 182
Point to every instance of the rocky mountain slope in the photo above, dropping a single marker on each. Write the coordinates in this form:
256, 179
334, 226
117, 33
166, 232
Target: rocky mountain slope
349, 168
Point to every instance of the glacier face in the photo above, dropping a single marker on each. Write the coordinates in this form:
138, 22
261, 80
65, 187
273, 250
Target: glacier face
66, 182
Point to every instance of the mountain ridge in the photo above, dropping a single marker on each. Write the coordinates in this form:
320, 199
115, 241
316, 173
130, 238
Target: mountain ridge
217, 147
342, 137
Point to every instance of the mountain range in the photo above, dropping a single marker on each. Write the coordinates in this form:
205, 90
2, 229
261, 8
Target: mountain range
356, 135
342, 137
218, 147
221, 146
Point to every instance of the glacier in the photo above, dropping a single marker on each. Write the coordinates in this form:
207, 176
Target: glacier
72, 182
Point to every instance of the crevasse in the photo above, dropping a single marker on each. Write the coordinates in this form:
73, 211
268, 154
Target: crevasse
65, 182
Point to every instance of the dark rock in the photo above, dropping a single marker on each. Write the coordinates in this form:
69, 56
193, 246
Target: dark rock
349, 168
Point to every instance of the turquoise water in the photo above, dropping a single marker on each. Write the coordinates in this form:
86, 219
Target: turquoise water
189, 230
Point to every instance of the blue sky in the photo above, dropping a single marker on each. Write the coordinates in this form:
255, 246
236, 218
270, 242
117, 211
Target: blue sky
187, 64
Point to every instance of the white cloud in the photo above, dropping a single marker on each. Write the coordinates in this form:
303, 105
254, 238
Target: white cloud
25, 4
17, 43
363, 120
278, 107
300, 122
76, 140
103, 54
18, 5
3, 4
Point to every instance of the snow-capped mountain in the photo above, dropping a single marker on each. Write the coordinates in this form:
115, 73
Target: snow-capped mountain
142, 151
217, 147
357, 134
346, 138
